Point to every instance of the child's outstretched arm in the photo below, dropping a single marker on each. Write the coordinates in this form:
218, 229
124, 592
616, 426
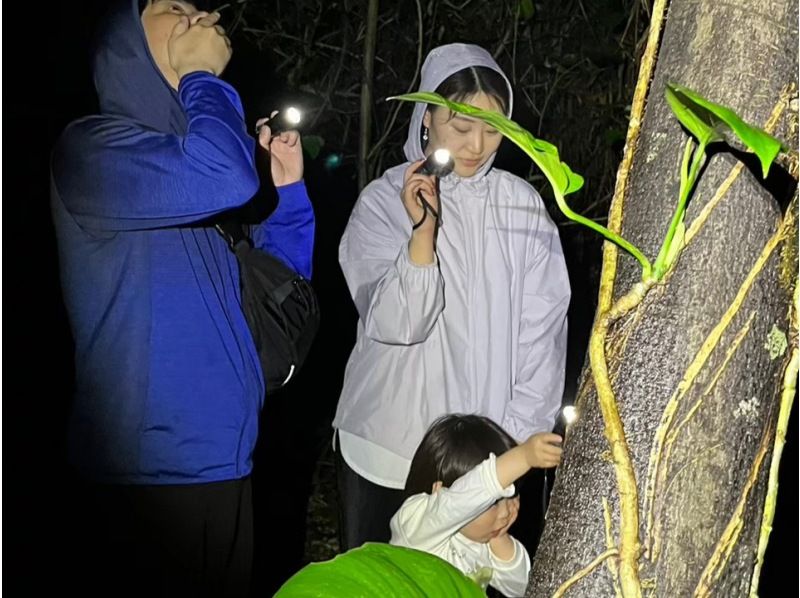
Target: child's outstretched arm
540, 450
428, 521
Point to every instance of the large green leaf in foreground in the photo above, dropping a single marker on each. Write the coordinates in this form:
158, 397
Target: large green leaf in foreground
380, 571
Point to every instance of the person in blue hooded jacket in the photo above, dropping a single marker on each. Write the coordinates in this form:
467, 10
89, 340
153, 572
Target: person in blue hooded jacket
168, 380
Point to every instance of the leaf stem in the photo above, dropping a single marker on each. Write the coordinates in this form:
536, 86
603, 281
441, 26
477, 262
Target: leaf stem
611, 236
688, 181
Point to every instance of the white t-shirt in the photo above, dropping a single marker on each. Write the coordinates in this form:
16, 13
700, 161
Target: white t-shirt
430, 522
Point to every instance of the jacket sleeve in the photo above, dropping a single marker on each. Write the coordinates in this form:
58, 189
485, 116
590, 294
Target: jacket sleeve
113, 174
542, 344
511, 577
398, 301
426, 521
288, 233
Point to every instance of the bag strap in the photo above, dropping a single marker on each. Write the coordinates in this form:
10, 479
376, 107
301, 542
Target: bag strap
233, 232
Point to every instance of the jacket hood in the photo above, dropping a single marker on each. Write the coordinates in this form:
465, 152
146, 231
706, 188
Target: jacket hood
128, 82
440, 63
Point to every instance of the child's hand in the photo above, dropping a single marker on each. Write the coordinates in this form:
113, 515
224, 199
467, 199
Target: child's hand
502, 545
540, 450
513, 511
543, 450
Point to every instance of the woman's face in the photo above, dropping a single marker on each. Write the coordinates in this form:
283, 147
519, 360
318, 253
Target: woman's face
469, 141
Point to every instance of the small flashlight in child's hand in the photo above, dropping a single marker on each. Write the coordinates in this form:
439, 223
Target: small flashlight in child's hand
281, 121
567, 416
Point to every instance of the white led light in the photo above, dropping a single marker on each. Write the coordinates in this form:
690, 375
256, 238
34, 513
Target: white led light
293, 116
442, 156
570, 414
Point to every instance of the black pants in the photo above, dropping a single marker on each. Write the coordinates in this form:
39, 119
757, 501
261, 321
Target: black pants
178, 540
364, 508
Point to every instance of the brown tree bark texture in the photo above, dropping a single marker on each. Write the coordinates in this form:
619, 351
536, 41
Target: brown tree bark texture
713, 475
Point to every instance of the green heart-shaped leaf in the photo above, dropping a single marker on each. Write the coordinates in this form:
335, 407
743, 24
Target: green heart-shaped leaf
710, 122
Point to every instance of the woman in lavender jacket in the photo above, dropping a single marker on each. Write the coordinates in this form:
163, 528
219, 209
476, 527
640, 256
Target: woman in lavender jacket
467, 316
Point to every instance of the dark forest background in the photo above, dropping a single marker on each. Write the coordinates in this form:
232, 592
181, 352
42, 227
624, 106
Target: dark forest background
573, 64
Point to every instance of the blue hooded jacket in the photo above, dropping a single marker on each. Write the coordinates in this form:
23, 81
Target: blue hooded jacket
168, 381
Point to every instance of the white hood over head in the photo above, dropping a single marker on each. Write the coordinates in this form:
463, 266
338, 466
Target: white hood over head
440, 63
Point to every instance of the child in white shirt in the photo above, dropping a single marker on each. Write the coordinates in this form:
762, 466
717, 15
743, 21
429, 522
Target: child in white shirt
461, 498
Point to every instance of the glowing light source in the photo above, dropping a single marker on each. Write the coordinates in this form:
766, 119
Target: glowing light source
282, 120
442, 156
440, 163
570, 414
293, 116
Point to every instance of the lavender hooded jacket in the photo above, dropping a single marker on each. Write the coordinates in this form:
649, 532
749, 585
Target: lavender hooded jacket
483, 329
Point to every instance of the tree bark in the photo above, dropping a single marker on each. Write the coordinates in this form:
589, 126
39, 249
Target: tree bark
697, 367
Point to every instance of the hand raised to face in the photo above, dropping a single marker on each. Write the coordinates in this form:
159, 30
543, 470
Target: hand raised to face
199, 44
182, 39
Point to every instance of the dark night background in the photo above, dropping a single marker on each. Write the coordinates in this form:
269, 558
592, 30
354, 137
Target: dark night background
47, 84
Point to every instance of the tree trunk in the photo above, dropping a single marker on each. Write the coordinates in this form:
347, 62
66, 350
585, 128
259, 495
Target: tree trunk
697, 367
367, 81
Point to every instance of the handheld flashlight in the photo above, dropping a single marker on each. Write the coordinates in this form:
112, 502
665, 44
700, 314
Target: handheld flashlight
284, 120
567, 416
440, 163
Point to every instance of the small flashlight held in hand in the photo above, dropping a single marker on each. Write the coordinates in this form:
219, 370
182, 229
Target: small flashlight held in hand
284, 120
440, 163
567, 417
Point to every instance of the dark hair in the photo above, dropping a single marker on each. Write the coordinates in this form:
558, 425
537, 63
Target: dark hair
468, 82
472, 80
452, 446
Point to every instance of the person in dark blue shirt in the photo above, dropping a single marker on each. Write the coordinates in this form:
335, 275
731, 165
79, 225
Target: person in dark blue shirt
168, 380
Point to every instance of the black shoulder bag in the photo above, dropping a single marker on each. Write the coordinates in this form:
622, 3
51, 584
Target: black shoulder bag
280, 307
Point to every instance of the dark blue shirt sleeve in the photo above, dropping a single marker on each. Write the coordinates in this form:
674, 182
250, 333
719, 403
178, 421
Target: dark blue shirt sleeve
288, 233
113, 174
